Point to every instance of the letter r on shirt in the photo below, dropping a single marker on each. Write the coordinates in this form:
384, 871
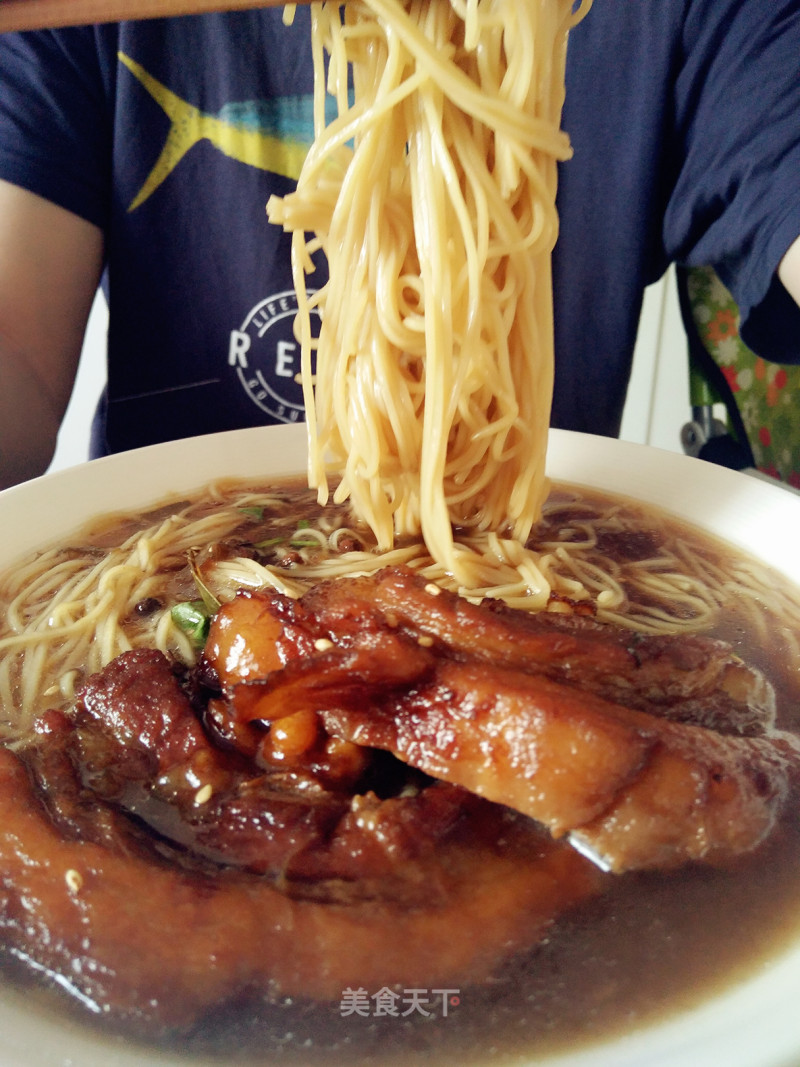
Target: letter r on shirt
238, 348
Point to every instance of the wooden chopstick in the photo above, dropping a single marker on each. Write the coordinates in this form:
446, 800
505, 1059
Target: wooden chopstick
41, 14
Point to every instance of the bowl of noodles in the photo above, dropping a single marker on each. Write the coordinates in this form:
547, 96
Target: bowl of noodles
699, 963
497, 764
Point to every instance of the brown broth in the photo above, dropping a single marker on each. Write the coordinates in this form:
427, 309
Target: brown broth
652, 945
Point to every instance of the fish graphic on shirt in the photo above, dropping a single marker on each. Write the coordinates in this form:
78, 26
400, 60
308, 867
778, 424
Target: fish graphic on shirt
271, 135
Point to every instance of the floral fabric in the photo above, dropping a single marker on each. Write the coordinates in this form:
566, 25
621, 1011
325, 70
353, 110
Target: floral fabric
766, 394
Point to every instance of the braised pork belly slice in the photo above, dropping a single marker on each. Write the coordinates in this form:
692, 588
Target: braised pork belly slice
638, 781
154, 905
309, 823
632, 790
691, 678
143, 937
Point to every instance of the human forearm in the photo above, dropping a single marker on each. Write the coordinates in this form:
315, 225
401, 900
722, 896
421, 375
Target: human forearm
30, 415
50, 262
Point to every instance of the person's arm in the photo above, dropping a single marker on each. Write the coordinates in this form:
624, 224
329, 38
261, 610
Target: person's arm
50, 265
789, 270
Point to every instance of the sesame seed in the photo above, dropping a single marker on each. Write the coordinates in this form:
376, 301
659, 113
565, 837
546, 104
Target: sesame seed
74, 880
322, 644
425, 641
203, 795
433, 589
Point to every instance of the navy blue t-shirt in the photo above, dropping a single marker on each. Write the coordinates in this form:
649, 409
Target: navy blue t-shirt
171, 135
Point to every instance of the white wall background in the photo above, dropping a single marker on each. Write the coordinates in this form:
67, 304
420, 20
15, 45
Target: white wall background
658, 396
657, 406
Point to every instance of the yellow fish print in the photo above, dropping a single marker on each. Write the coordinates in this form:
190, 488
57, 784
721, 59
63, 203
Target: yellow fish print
271, 135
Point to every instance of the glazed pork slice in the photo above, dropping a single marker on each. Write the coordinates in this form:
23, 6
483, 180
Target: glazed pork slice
595, 744
690, 678
135, 741
633, 790
97, 916
145, 930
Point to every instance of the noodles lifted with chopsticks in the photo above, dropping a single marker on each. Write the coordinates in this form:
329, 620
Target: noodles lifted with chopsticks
432, 195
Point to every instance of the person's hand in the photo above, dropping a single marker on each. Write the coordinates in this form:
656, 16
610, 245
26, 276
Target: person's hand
50, 264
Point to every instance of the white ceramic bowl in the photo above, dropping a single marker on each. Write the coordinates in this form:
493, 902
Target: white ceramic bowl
755, 1023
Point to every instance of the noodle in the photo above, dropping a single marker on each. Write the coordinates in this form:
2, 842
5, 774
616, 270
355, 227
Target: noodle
432, 194
72, 610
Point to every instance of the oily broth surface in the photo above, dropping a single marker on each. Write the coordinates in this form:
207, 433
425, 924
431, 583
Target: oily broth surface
651, 945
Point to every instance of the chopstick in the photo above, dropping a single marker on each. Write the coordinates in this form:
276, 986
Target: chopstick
42, 14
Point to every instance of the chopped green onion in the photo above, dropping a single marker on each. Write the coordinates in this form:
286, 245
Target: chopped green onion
272, 542
256, 513
295, 542
193, 618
